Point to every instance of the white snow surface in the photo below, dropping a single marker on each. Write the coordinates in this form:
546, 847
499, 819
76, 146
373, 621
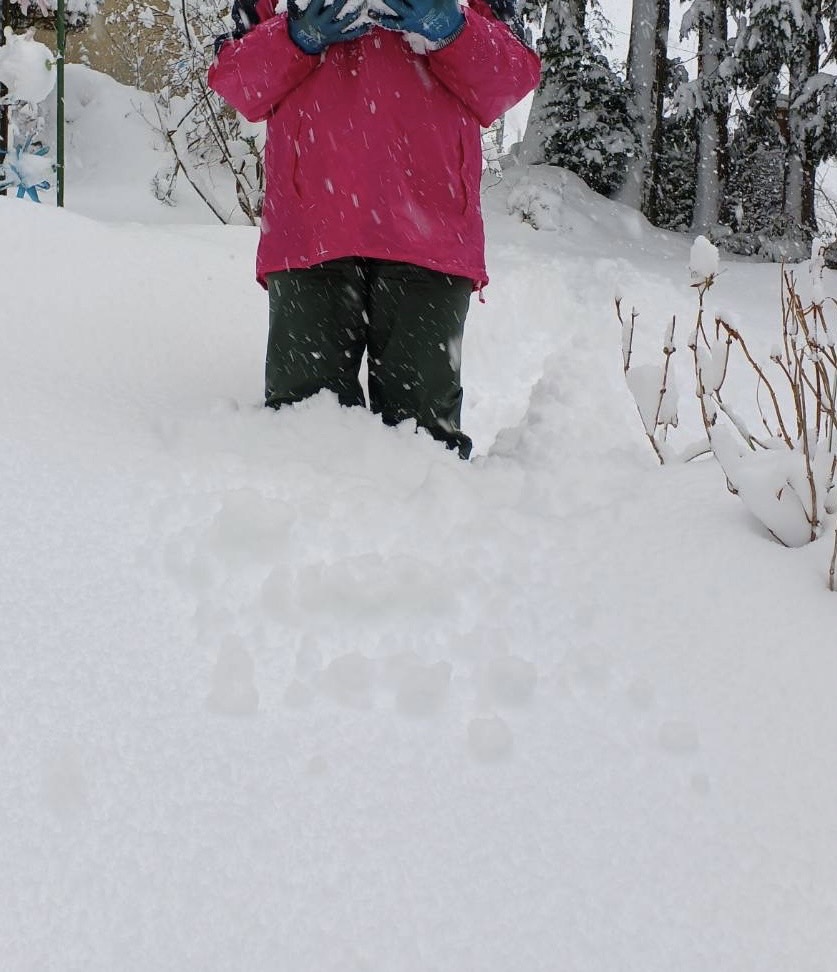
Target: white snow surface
296, 691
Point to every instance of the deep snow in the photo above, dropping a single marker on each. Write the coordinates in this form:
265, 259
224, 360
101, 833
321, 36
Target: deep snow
297, 691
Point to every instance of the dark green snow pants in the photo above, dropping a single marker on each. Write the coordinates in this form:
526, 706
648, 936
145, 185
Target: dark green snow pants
410, 321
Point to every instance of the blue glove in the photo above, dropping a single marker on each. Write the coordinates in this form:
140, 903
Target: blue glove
437, 20
318, 25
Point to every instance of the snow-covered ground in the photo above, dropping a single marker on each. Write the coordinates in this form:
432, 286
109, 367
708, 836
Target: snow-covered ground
295, 691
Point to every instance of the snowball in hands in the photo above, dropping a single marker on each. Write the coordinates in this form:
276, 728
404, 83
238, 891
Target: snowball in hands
26, 68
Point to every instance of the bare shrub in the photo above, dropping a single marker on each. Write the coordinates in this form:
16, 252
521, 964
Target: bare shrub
782, 466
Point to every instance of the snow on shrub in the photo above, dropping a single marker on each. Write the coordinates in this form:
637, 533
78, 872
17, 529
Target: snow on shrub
76, 12
535, 204
27, 70
784, 472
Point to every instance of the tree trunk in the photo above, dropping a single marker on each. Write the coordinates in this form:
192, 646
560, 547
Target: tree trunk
711, 124
809, 169
800, 164
647, 47
800, 170
652, 196
707, 177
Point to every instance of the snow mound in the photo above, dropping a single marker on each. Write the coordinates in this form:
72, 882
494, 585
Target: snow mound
299, 690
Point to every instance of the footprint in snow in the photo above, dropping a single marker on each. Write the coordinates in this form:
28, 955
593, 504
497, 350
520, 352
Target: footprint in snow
422, 690
489, 739
678, 738
641, 695
349, 680
508, 680
65, 787
298, 695
233, 690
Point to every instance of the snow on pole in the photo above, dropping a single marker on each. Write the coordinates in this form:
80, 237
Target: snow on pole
5, 15
61, 38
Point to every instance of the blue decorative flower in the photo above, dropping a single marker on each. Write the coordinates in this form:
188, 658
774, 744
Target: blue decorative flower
21, 171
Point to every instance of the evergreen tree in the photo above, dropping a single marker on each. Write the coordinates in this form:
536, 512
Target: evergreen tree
581, 118
788, 38
678, 148
676, 198
755, 182
559, 17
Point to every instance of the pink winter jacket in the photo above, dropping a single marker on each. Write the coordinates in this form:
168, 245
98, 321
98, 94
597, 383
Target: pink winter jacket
373, 150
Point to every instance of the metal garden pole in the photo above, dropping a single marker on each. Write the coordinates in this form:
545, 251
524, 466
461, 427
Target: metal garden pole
5, 17
60, 29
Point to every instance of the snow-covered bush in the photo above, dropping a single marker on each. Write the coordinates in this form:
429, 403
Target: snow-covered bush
783, 465
535, 204
652, 386
784, 473
27, 76
41, 13
201, 131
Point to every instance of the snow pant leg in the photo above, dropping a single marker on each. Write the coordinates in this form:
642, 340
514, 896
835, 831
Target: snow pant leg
317, 333
416, 322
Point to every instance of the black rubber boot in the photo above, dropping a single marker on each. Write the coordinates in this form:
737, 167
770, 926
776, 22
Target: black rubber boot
416, 322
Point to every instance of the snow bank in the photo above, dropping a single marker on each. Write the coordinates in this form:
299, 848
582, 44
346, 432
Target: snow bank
297, 690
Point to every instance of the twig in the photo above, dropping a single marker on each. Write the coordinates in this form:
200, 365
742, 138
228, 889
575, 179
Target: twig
696, 450
627, 334
668, 351
170, 138
832, 570
760, 372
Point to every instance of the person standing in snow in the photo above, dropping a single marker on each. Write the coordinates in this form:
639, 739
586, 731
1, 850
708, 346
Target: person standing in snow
371, 232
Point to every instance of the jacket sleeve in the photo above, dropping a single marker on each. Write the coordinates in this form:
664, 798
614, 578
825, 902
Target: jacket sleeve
486, 67
254, 74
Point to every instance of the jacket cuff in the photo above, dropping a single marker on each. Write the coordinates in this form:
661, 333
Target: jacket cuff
445, 41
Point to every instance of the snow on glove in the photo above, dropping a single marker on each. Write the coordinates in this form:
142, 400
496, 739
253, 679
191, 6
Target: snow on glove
315, 26
439, 21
